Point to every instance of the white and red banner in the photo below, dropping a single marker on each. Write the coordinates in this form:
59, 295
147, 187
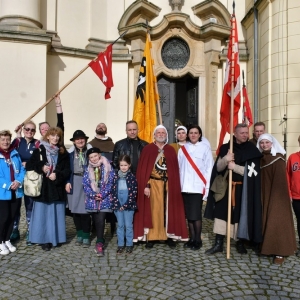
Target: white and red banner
232, 74
102, 66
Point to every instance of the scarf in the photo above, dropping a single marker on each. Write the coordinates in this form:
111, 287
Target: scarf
95, 173
6, 155
122, 174
51, 153
80, 155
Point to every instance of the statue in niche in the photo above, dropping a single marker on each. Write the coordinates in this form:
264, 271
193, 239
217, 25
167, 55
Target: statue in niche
176, 4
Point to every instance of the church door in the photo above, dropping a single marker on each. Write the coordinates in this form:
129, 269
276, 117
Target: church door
179, 102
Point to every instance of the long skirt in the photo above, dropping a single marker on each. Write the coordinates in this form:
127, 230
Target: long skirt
48, 223
76, 200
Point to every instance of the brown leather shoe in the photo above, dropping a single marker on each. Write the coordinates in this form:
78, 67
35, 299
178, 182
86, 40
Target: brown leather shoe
278, 260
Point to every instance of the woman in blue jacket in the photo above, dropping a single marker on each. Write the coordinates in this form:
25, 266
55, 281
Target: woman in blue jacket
11, 179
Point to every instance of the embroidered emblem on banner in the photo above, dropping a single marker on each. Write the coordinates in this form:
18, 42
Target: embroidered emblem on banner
252, 170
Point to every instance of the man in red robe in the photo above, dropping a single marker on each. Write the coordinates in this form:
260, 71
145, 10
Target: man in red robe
160, 214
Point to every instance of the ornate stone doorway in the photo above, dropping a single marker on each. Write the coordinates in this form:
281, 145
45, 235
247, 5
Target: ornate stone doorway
179, 102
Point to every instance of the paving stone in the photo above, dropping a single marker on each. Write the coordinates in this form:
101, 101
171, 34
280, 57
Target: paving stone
72, 272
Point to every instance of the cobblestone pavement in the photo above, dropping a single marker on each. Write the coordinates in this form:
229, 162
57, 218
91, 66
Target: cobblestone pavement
73, 272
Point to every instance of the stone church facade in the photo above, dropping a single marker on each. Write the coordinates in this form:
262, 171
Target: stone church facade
45, 43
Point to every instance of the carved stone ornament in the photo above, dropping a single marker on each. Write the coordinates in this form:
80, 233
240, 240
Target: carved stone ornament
175, 53
176, 4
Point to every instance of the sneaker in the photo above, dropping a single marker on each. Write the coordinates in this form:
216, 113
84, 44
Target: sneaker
10, 247
129, 249
79, 241
99, 249
15, 235
120, 249
3, 249
86, 243
28, 243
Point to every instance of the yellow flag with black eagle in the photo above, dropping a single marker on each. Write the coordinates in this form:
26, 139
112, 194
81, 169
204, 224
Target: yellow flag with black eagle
146, 96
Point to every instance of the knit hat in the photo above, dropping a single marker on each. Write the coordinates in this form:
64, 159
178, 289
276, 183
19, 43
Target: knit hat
92, 150
78, 134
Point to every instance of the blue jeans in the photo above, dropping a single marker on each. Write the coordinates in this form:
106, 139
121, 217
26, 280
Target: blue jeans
125, 220
125, 227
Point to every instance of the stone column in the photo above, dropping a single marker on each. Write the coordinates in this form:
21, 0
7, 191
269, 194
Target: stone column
20, 15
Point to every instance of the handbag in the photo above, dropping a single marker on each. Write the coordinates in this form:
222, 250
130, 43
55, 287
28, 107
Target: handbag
219, 186
33, 183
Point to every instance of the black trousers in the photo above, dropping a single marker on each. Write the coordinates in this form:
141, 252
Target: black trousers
82, 222
296, 208
8, 209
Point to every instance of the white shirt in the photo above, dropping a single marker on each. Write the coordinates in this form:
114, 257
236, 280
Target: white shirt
190, 181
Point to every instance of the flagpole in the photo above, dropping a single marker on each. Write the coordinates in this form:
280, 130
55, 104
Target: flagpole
245, 119
231, 136
62, 88
155, 84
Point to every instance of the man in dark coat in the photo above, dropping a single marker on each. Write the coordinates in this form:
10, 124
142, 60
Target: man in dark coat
160, 214
131, 146
246, 210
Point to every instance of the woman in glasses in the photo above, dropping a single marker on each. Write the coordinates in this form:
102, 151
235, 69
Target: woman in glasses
25, 146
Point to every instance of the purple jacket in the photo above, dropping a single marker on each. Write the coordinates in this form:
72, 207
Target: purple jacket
92, 205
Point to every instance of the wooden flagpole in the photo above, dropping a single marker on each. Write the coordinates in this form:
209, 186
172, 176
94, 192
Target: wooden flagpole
156, 88
233, 32
62, 88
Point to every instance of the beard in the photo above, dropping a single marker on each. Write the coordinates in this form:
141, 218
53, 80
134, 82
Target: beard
101, 132
160, 139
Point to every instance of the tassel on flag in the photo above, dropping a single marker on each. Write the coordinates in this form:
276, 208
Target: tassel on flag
247, 113
146, 96
231, 62
102, 66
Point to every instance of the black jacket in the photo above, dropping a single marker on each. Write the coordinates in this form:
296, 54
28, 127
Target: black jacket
125, 146
51, 190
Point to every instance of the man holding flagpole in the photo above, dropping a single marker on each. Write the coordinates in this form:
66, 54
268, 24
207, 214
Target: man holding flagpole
246, 209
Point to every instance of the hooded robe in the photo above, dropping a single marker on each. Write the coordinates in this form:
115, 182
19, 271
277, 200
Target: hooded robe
175, 224
247, 212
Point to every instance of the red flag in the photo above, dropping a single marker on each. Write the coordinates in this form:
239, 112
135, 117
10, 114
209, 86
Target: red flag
102, 66
231, 62
247, 113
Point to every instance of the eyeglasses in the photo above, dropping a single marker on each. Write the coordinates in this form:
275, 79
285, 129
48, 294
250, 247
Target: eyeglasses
29, 129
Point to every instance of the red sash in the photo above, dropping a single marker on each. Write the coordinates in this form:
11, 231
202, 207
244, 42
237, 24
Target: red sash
194, 166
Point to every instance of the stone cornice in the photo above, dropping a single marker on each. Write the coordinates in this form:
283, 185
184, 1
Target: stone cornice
212, 9
138, 12
120, 52
83, 53
24, 36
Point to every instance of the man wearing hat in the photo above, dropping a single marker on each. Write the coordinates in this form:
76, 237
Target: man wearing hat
160, 214
76, 196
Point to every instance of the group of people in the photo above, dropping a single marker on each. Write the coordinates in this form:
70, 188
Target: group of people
155, 190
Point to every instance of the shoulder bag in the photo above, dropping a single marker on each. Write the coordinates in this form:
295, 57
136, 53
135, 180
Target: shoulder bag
33, 182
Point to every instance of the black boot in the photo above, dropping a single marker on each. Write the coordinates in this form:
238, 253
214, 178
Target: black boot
218, 247
240, 247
